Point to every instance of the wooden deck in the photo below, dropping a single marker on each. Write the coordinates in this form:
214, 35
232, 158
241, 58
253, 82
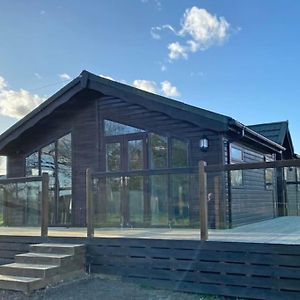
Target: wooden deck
284, 230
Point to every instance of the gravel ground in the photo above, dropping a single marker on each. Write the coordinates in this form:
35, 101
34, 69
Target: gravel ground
102, 288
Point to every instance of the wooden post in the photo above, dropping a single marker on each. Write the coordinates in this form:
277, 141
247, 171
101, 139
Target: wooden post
203, 201
89, 204
45, 205
217, 188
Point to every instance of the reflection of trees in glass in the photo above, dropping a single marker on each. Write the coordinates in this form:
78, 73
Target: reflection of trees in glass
113, 156
158, 151
135, 155
179, 153
114, 128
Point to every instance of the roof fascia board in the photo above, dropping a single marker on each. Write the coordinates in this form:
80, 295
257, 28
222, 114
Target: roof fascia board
40, 112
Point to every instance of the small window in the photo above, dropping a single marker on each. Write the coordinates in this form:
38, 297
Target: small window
298, 179
179, 153
32, 164
236, 156
269, 176
2, 166
114, 128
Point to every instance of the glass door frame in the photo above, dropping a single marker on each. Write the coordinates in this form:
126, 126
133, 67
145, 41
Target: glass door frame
123, 170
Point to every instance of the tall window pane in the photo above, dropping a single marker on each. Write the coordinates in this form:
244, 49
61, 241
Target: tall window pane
180, 199
64, 178
113, 157
179, 153
2, 166
135, 155
158, 151
32, 164
159, 200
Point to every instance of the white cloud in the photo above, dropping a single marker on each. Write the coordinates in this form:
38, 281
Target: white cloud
16, 104
165, 88
199, 30
177, 51
204, 29
64, 76
169, 90
146, 85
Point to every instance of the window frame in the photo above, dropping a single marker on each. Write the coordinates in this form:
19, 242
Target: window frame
236, 161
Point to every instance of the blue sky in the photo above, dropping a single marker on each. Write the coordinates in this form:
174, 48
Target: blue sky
238, 58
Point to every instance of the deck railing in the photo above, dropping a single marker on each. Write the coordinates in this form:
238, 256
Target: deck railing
208, 182
24, 202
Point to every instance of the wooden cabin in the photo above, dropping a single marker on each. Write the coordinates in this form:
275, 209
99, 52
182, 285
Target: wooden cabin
143, 148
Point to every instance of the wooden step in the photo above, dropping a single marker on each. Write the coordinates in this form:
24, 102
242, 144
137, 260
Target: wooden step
30, 270
72, 249
44, 258
20, 283
46, 264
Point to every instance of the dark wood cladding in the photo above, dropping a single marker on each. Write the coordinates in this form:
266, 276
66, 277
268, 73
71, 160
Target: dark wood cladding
252, 202
242, 270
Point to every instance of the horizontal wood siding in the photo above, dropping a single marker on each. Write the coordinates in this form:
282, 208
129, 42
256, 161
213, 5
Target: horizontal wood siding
252, 202
242, 270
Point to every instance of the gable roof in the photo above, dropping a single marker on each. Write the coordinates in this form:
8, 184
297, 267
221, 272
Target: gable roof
274, 131
173, 108
277, 132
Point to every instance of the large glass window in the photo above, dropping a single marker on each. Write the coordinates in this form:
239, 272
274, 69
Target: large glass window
114, 128
56, 160
179, 153
158, 151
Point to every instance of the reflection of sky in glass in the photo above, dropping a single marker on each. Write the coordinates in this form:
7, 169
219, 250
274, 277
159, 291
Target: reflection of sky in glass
2, 165
114, 128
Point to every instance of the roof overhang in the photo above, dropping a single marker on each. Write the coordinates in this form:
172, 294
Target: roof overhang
247, 133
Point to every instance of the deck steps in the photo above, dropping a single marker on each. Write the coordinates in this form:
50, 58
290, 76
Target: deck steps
45, 264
